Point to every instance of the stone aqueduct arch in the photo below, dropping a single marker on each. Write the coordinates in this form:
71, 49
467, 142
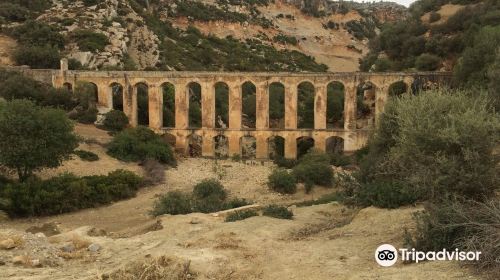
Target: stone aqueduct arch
353, 138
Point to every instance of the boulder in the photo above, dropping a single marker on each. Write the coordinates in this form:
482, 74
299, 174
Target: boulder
94, 247
7, 244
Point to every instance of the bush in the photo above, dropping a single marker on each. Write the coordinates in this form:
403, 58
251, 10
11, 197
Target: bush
173, 203
86, 155
13, 12
115, 120
439, 143
314, 167
88, 40
337, 159
276, 211
209, 188
434, 16
386, 194
327, 198
66, 193
38, 57
241, 215
284, 162
88, 116
283, 182
140, 143
463, 224
427, 62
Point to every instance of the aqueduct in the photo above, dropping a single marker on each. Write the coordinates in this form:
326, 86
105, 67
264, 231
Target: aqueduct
353, 135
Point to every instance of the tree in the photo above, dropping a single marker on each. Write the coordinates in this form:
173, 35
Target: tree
33, 138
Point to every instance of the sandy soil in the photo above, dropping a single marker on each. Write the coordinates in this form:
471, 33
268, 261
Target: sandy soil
326, 241
7, 47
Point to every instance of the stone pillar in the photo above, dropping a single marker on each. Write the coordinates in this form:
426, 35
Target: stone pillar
320, 143
262, 146
103, 95
235, 103
320, 101
290, 147
181, 106
207, 105
381, 95
262, 106
234, 144
207, 148
155, 107
291, 107
130, 103
350, 107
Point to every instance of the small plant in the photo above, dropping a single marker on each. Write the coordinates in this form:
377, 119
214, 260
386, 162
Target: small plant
282, 181
115, 120
339, 160
276, 211
173, 203
327, 198
86, 155
209, 188
236, 158
284, 162
241, 215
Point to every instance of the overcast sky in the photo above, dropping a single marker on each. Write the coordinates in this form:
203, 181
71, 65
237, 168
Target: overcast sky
402, 2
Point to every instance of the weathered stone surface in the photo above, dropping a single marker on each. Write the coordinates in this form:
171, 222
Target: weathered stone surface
94, 247
7, 244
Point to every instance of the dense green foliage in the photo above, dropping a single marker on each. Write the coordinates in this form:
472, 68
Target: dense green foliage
435, 145
282, 181
140, 143
241, 215
207, 196
314, 167
33, 138
88, 40
277, 211
86, 155
115, 120
67, 193
468, 39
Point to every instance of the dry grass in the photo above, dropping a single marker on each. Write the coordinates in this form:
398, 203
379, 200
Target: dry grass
79, 242
18, 240
164, 268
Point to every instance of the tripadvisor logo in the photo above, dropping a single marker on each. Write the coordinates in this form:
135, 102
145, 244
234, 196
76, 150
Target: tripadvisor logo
387, 255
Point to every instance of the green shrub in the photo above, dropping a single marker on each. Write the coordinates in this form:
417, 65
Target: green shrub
427, 62
337, 159
38, 57
13, 12
282, 181
173, 203
386, 194
314, 167
115, 120
86, 155
88, 116
284, 162
434, 16
37, 34
140, 143
88, 40
462, 224
209, 188
67, 193
324, 199
277, 211
241, 215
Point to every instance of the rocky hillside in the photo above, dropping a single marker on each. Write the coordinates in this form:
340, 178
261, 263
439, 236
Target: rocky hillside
244, 35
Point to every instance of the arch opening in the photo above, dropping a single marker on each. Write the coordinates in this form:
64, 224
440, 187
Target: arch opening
68, 86
276, 147
335, 105
334, 145
194, 144
221, 146
249, 105
277, 105
194, 97
304, 144
365, 103
398, 88
88, 94
168, 105
221, 105
142, 104
248, 147
117, 96
305, 105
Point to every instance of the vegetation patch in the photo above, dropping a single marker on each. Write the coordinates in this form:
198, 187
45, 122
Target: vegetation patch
241, 215
86, 155
276, 211
67, 193
282, 181
115, 120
